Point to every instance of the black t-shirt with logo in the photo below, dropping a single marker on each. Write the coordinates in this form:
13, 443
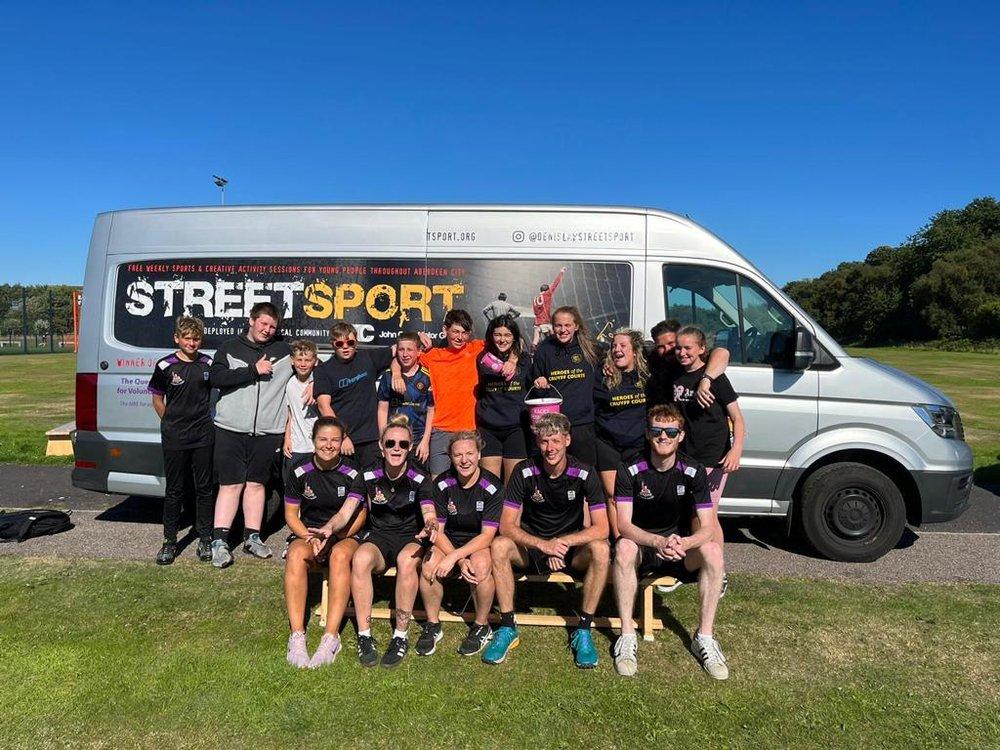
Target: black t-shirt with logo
185, 386
319, 493
566, 368
467, 512
553, 507
500, 402
351, 388
706, 431
663, 502
620, 412
394, 505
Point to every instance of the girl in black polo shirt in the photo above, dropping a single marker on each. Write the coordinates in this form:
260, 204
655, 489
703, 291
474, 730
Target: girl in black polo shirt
500, 400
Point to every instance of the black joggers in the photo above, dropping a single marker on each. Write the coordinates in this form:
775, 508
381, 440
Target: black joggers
178, 466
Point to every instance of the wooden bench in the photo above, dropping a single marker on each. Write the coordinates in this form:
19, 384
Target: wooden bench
648, 623
59, 440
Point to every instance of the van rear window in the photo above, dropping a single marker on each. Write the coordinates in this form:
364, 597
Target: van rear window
380, 296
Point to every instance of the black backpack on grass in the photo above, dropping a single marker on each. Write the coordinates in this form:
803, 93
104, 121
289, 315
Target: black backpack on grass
19, 525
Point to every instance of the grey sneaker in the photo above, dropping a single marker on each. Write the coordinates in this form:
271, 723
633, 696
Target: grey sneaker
626, 648
329, 647
254, 546
709, 654
297, 655
476, 640
429, 637
221, 557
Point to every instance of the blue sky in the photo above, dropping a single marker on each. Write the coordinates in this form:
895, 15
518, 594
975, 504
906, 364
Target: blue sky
802, 133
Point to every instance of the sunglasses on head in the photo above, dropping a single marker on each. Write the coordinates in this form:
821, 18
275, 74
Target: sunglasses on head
404, 444
670, 432
348, 344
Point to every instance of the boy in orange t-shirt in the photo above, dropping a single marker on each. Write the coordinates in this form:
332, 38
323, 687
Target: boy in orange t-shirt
454, 378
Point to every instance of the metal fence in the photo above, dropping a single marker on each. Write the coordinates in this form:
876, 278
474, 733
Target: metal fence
38, 319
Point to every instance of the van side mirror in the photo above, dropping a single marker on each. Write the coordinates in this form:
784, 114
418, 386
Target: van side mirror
804, 352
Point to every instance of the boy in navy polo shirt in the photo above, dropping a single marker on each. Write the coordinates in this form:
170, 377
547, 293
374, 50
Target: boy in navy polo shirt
417, 403
181, 394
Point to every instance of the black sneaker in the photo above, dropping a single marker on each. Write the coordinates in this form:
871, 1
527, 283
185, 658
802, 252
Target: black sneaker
367, 651
167, 553
395, 653
205, 550
429, 637
476, 640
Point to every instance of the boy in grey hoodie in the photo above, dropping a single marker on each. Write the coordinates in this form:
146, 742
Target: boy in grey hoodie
250, 372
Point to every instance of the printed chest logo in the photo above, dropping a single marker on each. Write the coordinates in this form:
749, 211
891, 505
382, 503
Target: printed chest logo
682, 395
576, 359
420, 386
379, 497
452, 509
479, 506
571, 495
204, 376
537, 496
176, 379
645, 493
413, 495
681, 489
307, 492
341, 491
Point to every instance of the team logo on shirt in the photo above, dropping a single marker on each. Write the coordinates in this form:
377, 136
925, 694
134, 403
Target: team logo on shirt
537, 496
176, 379
452, 510
571, 495
645, 493
576, 359
681, 489
420, 386
307, 492
379, 497
479, 506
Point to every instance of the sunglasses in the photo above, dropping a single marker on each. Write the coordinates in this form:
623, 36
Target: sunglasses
404, 444
349, 344
670, 432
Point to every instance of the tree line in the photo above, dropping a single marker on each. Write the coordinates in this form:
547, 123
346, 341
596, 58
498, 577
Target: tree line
38, 296
941, 283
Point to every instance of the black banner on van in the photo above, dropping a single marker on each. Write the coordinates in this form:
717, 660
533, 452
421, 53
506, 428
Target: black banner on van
380, 296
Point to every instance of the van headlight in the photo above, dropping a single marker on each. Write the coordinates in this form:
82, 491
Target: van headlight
944, 420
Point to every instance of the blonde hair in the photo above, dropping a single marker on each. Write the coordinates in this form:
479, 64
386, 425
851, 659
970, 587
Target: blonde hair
472, 435
550, 424
614, 377
582, 337
188, 325
304, 345
396, 422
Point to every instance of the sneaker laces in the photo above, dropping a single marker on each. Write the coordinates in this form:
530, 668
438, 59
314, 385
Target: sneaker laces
398, 645
627, 645
711, 650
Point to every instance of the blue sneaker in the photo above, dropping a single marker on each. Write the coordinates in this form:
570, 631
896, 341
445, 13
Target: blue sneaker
584, 653
504, 639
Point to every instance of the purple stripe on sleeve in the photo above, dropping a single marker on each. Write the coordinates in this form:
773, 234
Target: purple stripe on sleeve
173, 359
491, 525
307, 467
425, 503
599, 506
378, 473
703, 506
572, 471
292, 500
355, 496
681, 466
484, 483
623, 498
442, 521
450, 481
512, 504
156, 391
642, 466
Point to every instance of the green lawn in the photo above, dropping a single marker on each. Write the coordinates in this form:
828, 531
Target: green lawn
972, 381
115, 654
36, 394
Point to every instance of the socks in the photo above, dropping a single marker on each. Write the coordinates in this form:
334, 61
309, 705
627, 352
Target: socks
703, 637
247, 533
507, 620
366, 632
220, 532
399, 634
586, 620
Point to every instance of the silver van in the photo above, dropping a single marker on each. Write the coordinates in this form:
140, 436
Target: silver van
847, 449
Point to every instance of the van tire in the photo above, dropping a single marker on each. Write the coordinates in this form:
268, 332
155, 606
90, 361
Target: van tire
851, 512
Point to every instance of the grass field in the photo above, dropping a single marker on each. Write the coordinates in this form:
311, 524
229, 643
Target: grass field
113, 654
36, 394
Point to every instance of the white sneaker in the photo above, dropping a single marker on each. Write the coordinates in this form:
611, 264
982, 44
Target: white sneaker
297, 655
709, 654
626, 648
329, 647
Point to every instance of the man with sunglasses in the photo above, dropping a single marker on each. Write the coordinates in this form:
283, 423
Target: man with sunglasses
657, 496
345, 388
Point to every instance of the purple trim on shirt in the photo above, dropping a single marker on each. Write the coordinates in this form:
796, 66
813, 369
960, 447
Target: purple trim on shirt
623, 498
681, 466
512, 504
491, 524
426, 502
292, 500
442, 520
204, 359
572, 471
345, 469
535, 471
155, 391
642, 466
173, 359
599, 506
413, 474
307, 467
378, 474
449, 481
704, 506
486, 484
355, 496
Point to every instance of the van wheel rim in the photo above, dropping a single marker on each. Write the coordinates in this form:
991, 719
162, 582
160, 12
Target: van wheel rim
854, 514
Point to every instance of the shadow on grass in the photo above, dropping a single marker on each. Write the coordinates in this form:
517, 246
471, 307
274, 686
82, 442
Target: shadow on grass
988, 477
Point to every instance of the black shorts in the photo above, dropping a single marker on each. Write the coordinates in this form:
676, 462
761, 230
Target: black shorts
389, 544
241, 458
365, 454
650, 565
609, 456
583, 446
507, 442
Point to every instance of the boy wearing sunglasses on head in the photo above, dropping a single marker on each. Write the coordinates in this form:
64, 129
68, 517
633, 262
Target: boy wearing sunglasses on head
657, 497
345, 388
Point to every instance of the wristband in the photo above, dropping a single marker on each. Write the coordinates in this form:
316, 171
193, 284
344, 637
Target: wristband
707, 377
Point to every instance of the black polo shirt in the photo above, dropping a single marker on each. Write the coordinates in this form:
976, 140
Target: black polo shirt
663, 502
319, 493
394, 504
467, 512
185, 386
553, 507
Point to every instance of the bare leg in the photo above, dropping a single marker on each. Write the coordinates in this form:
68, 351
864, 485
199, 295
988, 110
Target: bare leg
339, 583
226, 504
432, 591
595, 557
504, 552
253, 505
492, 463
407, 577
300, 554
367, 560
708, 558
508, 467
626, 581
482, 564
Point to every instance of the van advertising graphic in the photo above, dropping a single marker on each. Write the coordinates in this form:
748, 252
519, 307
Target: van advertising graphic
380, 296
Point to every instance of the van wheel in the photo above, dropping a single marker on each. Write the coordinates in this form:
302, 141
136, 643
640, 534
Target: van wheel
851, 512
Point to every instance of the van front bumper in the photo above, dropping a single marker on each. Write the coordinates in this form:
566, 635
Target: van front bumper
943, 495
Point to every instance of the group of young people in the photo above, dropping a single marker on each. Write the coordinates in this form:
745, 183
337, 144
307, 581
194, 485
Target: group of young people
424, 459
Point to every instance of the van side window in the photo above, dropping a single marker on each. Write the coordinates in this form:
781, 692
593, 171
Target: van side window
708, 298
767, 328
